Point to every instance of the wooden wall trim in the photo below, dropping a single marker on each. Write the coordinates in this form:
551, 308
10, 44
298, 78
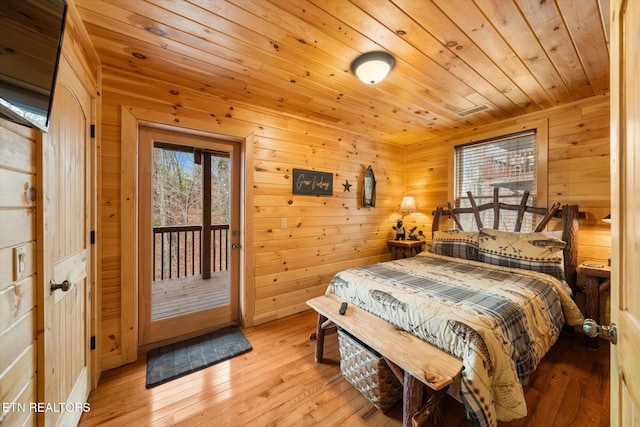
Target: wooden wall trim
542, 147
96, 223
129, 227
247, 258
542, 163
131, 119
42, 263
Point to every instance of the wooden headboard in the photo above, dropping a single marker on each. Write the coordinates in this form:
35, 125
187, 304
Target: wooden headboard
568, 213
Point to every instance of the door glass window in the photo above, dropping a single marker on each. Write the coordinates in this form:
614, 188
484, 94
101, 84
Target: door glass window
177, 213
190, 219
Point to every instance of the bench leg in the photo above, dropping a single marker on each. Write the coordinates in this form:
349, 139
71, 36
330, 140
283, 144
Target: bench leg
432, 409
414, 413
413, 394
320, 332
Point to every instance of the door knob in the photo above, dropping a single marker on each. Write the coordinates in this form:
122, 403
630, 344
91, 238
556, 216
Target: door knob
592, 330
65, 286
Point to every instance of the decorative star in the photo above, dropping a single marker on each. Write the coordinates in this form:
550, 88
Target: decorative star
347, 186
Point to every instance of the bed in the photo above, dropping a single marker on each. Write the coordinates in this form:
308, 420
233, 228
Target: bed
497, 300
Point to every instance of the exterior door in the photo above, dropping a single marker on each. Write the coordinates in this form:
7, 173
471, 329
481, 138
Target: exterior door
64, 254
182, 293
625, 212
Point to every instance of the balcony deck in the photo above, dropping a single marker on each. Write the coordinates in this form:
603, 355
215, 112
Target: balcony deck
173, 297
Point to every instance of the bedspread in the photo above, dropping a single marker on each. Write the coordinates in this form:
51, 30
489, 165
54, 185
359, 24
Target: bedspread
499, 321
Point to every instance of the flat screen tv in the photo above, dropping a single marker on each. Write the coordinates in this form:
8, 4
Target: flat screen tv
30, 41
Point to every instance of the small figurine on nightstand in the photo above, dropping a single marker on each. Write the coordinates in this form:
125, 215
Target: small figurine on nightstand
413, 235
401, 233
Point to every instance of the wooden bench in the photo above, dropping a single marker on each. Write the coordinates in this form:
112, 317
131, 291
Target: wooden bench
416, 363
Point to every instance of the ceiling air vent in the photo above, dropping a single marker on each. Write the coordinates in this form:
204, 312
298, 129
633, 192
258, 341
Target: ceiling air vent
472, 110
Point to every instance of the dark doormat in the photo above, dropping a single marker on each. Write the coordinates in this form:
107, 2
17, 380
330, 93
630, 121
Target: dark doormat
176, 360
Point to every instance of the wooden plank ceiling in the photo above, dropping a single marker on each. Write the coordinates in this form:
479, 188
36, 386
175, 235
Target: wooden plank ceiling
294, 56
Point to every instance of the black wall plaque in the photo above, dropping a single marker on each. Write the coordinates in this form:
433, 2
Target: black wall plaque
312, 182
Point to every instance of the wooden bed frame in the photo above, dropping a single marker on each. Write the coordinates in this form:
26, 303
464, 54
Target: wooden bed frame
568, 213
428, 372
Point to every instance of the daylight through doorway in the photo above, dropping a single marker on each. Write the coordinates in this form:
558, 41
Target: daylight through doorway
190, 219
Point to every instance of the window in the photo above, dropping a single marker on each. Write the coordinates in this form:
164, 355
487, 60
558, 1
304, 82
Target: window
508, 163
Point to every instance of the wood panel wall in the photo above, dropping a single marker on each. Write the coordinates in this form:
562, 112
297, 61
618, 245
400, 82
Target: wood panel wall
286, 267
18, 310
578, 169
327, 234
17, 296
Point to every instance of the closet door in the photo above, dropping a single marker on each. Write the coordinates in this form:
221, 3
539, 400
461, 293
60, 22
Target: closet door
64, 255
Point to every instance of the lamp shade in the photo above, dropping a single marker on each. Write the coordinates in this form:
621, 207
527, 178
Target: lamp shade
408, 204
372, 67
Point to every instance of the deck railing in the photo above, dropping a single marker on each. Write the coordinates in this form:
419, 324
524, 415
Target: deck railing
510, 166
177, 250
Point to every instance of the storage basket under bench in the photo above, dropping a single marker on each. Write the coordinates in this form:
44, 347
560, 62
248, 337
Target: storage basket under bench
368, 372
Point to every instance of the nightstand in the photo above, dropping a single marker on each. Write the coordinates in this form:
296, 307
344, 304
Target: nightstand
597, 278
405, 248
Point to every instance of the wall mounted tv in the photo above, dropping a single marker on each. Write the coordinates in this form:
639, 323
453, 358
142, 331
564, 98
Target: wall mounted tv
30, 41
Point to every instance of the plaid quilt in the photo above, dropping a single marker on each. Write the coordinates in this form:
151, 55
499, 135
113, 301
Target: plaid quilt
499, 321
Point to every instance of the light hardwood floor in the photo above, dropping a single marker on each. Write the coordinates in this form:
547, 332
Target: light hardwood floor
279, 384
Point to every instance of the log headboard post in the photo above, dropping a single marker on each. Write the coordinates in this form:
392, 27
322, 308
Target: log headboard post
437, 216
570, 217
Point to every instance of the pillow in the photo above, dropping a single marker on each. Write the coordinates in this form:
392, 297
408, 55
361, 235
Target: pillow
454, 243
555, 234
529, 251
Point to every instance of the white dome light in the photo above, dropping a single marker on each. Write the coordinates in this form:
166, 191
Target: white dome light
372, 67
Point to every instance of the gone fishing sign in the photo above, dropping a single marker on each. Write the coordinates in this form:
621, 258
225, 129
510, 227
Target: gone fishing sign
312, 182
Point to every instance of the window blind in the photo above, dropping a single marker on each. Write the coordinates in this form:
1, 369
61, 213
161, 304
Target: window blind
507, 162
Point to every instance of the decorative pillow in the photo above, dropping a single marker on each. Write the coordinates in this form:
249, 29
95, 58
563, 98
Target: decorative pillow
529, 251
454, 243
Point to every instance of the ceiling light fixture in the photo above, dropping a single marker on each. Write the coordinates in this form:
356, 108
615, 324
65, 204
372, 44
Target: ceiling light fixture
156, 30
372, 67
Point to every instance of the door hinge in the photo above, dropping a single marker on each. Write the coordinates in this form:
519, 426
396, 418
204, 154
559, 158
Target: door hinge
92, 237
93, 343
92, 129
